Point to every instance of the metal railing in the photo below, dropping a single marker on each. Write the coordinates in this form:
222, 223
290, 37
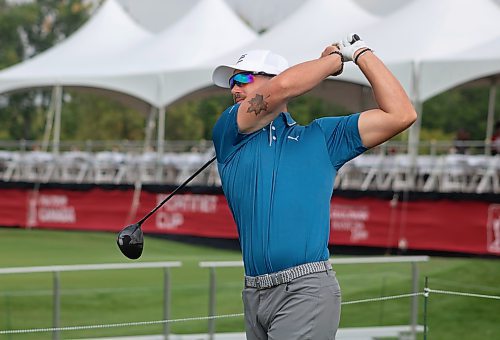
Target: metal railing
56, 295
413, 260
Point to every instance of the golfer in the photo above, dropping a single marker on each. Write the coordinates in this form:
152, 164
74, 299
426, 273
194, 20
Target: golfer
278, 179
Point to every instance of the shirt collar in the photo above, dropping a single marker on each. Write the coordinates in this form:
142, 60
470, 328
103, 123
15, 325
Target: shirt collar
284, 118
288, 119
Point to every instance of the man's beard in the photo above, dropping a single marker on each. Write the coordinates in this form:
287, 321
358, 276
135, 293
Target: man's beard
237, 96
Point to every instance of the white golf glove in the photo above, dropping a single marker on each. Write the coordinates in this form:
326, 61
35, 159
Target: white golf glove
350, 45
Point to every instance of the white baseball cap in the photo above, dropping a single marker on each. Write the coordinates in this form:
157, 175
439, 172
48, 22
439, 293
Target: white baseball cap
263, 61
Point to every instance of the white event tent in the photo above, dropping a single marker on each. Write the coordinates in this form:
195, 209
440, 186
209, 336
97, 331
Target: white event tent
425, 43
107, 35
423, 32
154, 68
146, 67
468, 65
163, 68
305, 33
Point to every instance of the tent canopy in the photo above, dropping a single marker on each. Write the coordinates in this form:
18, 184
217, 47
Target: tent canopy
455, 69
304, 34
449, 27
152, 68
208, 29
114, 53
106, 36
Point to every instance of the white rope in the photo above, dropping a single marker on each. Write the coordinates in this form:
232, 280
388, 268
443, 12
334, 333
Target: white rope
139, 323
462, 294
204, 318
201, 318
382, 298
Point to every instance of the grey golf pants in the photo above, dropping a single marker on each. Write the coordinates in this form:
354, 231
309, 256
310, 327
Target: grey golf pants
306, 308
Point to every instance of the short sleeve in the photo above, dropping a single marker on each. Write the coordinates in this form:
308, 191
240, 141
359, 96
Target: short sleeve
226, 136
342, 138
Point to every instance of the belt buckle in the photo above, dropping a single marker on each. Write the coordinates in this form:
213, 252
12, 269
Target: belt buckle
260, 281
280, 279
257, 283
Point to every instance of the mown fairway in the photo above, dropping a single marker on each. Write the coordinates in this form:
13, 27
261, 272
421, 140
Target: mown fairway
116, 296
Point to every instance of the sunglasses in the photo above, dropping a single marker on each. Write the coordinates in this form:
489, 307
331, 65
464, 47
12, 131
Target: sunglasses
245, 78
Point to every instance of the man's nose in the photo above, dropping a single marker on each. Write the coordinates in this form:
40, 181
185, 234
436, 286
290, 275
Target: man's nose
236, 89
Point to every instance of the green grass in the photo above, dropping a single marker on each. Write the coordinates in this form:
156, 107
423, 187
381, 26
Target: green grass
115, 296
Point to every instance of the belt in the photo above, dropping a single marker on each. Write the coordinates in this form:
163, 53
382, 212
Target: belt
287, 275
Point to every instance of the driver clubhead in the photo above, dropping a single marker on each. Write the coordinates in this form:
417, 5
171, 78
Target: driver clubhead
131, 241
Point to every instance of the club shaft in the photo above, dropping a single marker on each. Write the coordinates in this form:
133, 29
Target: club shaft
176, 190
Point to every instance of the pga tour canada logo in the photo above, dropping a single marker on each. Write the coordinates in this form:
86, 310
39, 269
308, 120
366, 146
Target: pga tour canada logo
493, 229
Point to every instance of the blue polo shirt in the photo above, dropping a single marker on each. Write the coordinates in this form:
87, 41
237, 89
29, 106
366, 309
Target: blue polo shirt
278, 182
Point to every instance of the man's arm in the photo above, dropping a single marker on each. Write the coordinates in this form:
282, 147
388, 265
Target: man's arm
261, 106
395, 113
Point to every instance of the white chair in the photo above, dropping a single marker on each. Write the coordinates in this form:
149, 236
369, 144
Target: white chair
106, 166
74, 166
490, 180
454, 178
9, 164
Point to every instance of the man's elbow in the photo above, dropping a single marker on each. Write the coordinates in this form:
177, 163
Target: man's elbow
411, 116
408, 116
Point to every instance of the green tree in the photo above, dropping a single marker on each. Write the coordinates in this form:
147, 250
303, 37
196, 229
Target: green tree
26, 30
89, 116
460, 108
194, 119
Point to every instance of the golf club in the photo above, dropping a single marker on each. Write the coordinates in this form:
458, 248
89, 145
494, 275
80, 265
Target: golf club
130, 239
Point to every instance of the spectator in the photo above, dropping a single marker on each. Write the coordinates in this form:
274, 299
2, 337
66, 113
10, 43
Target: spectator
495, 139
461, 139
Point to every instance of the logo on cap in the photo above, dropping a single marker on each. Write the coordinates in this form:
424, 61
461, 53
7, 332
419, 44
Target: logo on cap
241, 58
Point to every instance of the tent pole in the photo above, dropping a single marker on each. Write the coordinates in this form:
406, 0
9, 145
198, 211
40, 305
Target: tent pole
414, 133
49, 123
161, 140
150, 124
57, 120
491, 115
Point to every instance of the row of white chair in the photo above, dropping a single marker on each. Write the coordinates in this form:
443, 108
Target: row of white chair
444, 173
105, 167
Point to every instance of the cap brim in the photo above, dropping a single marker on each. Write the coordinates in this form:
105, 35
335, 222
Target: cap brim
222, 73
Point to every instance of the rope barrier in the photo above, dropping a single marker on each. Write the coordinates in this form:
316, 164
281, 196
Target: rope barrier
112, 325
205, 318
382, 298
437, 291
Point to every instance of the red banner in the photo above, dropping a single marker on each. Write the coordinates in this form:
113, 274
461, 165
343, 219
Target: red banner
469, 226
